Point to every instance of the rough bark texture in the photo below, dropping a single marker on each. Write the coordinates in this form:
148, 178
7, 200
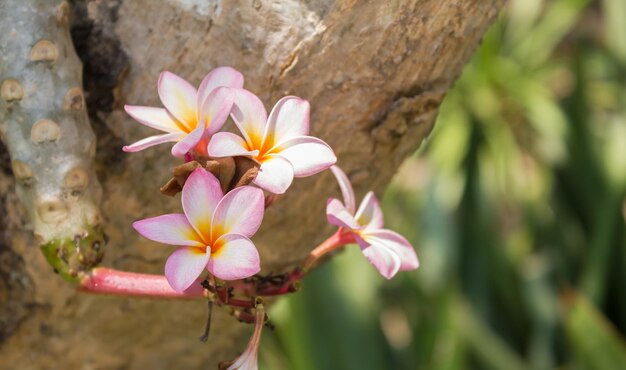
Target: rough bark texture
375, 74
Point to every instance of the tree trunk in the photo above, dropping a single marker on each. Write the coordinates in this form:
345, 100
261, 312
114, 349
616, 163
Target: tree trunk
375, 74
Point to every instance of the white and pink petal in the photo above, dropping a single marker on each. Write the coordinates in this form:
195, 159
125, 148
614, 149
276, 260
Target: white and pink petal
240, 212
369, 214
396, 243
171, 229
250, 116
157, 118
200, 196
338, 215
346, 188
179, 97
216, 108
185, 265
308, 155
152, 141
384, 260
227, 144
187, 143
220, 76
289, 119
275, 175
235, 257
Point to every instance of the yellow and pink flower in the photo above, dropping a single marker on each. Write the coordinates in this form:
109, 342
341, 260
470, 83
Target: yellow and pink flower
213, 232
388, 251
190, 116
280, 142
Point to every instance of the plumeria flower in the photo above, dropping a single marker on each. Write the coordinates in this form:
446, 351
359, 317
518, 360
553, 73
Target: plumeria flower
279, 143
387, 250
189, 116
248, 359
213, 232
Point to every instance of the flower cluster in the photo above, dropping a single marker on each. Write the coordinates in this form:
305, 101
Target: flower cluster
219, 218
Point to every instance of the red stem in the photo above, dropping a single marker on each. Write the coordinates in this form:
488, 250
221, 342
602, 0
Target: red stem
335, 241
104, 280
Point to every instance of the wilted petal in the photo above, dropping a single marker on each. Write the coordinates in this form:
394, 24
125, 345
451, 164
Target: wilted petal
216, 108
234, 257
338, 215
346, 188
226, 144
220, 76
386, 261
369, 213
179, 97
275, 175
188, 142
248, 359
239, 212
169, 229
185, 265
289, 119
152, 141
250, 116
201, 194
157, 118
396, 243
308, 155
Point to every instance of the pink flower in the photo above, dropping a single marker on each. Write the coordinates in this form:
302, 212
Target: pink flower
387, 250
189, 116
248, 359
214, 231
280, 142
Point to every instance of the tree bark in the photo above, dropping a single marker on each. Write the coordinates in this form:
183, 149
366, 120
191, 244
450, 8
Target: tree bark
375, 74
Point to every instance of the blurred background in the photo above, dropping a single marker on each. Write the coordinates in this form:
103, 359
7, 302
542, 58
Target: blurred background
515, 205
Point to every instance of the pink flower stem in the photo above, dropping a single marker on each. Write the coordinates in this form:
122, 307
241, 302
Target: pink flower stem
102, 280
335, 241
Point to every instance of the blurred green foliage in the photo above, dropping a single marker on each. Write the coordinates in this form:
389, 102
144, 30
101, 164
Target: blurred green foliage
516, 208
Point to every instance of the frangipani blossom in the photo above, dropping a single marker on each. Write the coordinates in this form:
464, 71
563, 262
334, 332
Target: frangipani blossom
279, 143
248, 359
387, 250
213, 232
190, 116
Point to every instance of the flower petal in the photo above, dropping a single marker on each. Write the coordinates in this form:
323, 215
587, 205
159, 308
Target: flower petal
289, 118
346, 188
220, 76
240, 212
188, 142
201, 194
369, 213
308, 155
250, 116
171, 229
275, 175
227, 144
234, 257
179, 97
157, 118
216, 108
248, 359
152, 141
337, 214
396, 243
386, 261
185, 265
